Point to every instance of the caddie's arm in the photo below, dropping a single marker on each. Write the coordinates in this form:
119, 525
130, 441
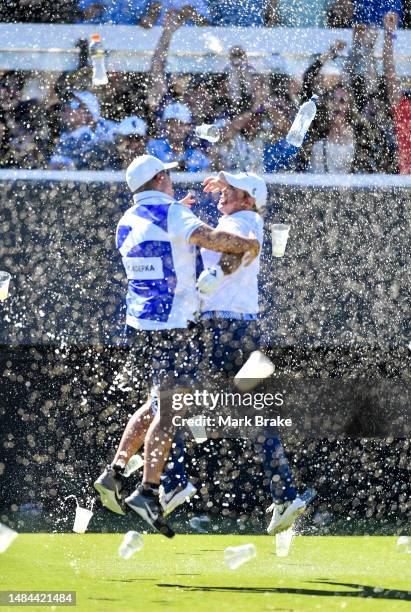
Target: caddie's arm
224, 242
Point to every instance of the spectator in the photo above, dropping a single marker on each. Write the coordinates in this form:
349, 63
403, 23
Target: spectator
376, 147
300, 13
176, 144
242, 144
399, 101
87, 136
334, 153
313, 83
340, 14
145, 13
130, 141
244, 14
4, 143
243, 85
192, 12
124, 12
372, 12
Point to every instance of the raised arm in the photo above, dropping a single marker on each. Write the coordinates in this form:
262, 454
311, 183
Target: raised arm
224, 242
312, 72
172, 21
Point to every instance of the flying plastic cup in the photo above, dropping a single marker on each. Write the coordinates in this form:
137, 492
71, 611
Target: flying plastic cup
404, 544
208, 132
234, 556
132, 543
7, 536
4, 285
256, 368
279, 237
83, 516
283, 542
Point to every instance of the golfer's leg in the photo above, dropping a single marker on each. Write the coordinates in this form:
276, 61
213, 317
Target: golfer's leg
133, 436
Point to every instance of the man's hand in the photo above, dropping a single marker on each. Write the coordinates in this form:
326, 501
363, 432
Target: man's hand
338, 46
212, 184
209, 279
188, 200
390, 22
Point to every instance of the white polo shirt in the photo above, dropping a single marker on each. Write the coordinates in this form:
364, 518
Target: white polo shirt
237, 292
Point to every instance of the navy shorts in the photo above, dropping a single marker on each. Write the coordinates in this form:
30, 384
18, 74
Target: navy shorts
166, 358
227, 344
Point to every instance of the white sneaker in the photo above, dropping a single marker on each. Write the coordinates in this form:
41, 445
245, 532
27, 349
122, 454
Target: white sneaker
170, 501
282, 519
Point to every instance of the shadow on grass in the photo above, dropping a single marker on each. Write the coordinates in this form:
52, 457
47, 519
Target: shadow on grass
362, 591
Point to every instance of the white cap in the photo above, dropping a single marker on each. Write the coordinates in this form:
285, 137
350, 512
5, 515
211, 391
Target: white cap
177, 111
132, 126
143, 169
251, 183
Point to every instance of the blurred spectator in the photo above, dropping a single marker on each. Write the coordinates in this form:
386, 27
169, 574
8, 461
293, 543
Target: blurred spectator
192, 12
242, 144
85, 140
176, 144
201, 99
244, 14
399, 101
340, 14
142, 12
130, 140
334, 153
371, 12
300, 13
4, 143
243, 86
315, 82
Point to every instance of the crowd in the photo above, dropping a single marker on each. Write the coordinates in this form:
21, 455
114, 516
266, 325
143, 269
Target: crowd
362, 125
233, 13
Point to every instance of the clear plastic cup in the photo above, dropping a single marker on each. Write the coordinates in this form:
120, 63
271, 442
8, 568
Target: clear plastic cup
283, 542
199, 433
404, 544
4, 285
82, 519
208, 132
134, 463
198, 523
83, 516
7, 536
132, 543
279, 237
234, 556
256, 368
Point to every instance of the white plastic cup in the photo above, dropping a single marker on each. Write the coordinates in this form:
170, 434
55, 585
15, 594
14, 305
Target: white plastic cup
82, 519
256, 368
134, 463
132, 543
7, 536
404, 544
234, 556
4, 285
199, 433
208, 132
283, 542
279, 237
198, 523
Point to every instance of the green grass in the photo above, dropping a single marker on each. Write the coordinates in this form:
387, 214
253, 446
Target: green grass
188, 573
